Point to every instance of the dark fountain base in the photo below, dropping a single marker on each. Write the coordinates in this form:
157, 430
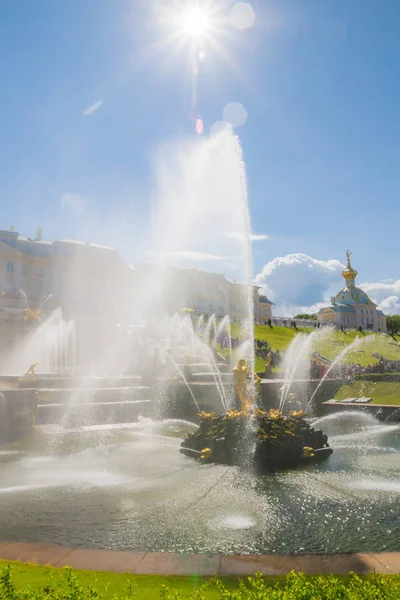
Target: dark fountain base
266, 441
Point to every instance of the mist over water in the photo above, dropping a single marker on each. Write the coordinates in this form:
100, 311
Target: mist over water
199, 220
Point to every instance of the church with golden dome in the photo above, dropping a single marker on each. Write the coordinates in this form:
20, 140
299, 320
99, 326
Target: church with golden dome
351, 308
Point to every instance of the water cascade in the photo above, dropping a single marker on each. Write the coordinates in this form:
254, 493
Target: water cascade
296, 363
210, 331
50, 343
353, 346
224, 333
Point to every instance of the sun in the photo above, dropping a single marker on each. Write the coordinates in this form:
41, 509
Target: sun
195, 23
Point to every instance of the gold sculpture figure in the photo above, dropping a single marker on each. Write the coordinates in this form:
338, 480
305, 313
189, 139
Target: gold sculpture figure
348, 254
31, 372
32, 315
242, 378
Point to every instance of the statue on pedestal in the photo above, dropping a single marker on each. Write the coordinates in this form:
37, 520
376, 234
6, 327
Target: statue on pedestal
31, 315
247, 384
31, 372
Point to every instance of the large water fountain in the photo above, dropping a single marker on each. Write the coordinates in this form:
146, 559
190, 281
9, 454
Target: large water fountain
104, 468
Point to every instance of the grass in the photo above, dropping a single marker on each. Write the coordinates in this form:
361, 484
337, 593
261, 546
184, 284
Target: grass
111, 585
330, 345
381, 392
31, 582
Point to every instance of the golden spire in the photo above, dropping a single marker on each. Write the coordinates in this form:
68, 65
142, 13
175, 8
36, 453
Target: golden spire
349, 273
348, 254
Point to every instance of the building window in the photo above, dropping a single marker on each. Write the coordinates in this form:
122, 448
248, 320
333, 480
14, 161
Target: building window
10, 266
39, 273
24, 270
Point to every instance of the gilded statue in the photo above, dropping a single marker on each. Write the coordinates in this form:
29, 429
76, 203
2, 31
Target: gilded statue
247, 385
348, 254
31, 372
32, 315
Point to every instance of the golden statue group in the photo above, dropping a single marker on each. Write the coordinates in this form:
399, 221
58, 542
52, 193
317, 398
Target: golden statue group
247, 385
278, 441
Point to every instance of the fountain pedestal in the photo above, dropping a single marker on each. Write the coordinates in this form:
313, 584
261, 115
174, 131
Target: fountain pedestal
265, 441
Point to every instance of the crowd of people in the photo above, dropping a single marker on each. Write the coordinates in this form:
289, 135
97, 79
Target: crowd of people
382, 366
318, 368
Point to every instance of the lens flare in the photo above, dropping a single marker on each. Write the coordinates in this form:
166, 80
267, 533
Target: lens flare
195, 22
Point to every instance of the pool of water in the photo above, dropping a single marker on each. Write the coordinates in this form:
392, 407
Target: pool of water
130, 488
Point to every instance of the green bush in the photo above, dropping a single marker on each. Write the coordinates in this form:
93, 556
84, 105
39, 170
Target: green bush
394, 377
292, 587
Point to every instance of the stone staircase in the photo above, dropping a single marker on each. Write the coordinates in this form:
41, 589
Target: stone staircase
78, 401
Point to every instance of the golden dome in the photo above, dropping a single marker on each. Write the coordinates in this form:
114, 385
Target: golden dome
349, 273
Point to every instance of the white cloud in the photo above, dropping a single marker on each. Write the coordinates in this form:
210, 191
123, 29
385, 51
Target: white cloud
258, 237
386, 295
191, 255
391, 305
198, 256
237, 235
73, 203
298, 280
92, 108
299, 283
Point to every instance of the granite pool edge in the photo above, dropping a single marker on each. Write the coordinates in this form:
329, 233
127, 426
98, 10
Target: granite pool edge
168, 563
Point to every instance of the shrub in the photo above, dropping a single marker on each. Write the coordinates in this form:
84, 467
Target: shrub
295, 586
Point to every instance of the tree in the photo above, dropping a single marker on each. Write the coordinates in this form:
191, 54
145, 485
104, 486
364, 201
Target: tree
393, 323
306, 316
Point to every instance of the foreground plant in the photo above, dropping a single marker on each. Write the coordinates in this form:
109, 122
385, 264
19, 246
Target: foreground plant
295, 586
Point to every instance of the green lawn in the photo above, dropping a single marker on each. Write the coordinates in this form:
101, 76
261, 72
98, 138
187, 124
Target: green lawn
382, 392
330, 345
111, 585
31, 582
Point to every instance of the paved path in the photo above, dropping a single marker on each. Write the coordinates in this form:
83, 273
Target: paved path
166, 563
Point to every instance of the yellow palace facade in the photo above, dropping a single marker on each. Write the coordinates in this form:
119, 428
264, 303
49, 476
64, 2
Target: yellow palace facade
90, 279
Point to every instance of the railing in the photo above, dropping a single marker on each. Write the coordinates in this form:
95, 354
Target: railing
287, 322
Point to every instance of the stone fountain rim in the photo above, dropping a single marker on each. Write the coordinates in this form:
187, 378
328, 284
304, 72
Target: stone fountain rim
170, 563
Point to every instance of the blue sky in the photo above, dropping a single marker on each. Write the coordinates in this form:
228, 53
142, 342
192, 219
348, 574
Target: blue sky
319, 80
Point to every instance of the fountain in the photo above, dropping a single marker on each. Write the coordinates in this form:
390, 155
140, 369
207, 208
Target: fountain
337, 361
276, 441
50, 344
106, 464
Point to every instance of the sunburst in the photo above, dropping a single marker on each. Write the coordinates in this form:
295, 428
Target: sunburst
195, 23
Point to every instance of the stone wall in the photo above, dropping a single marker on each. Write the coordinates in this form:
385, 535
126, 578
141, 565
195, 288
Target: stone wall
17, 414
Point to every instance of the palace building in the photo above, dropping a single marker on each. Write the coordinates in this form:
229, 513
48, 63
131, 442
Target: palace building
351, 308
85, 278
